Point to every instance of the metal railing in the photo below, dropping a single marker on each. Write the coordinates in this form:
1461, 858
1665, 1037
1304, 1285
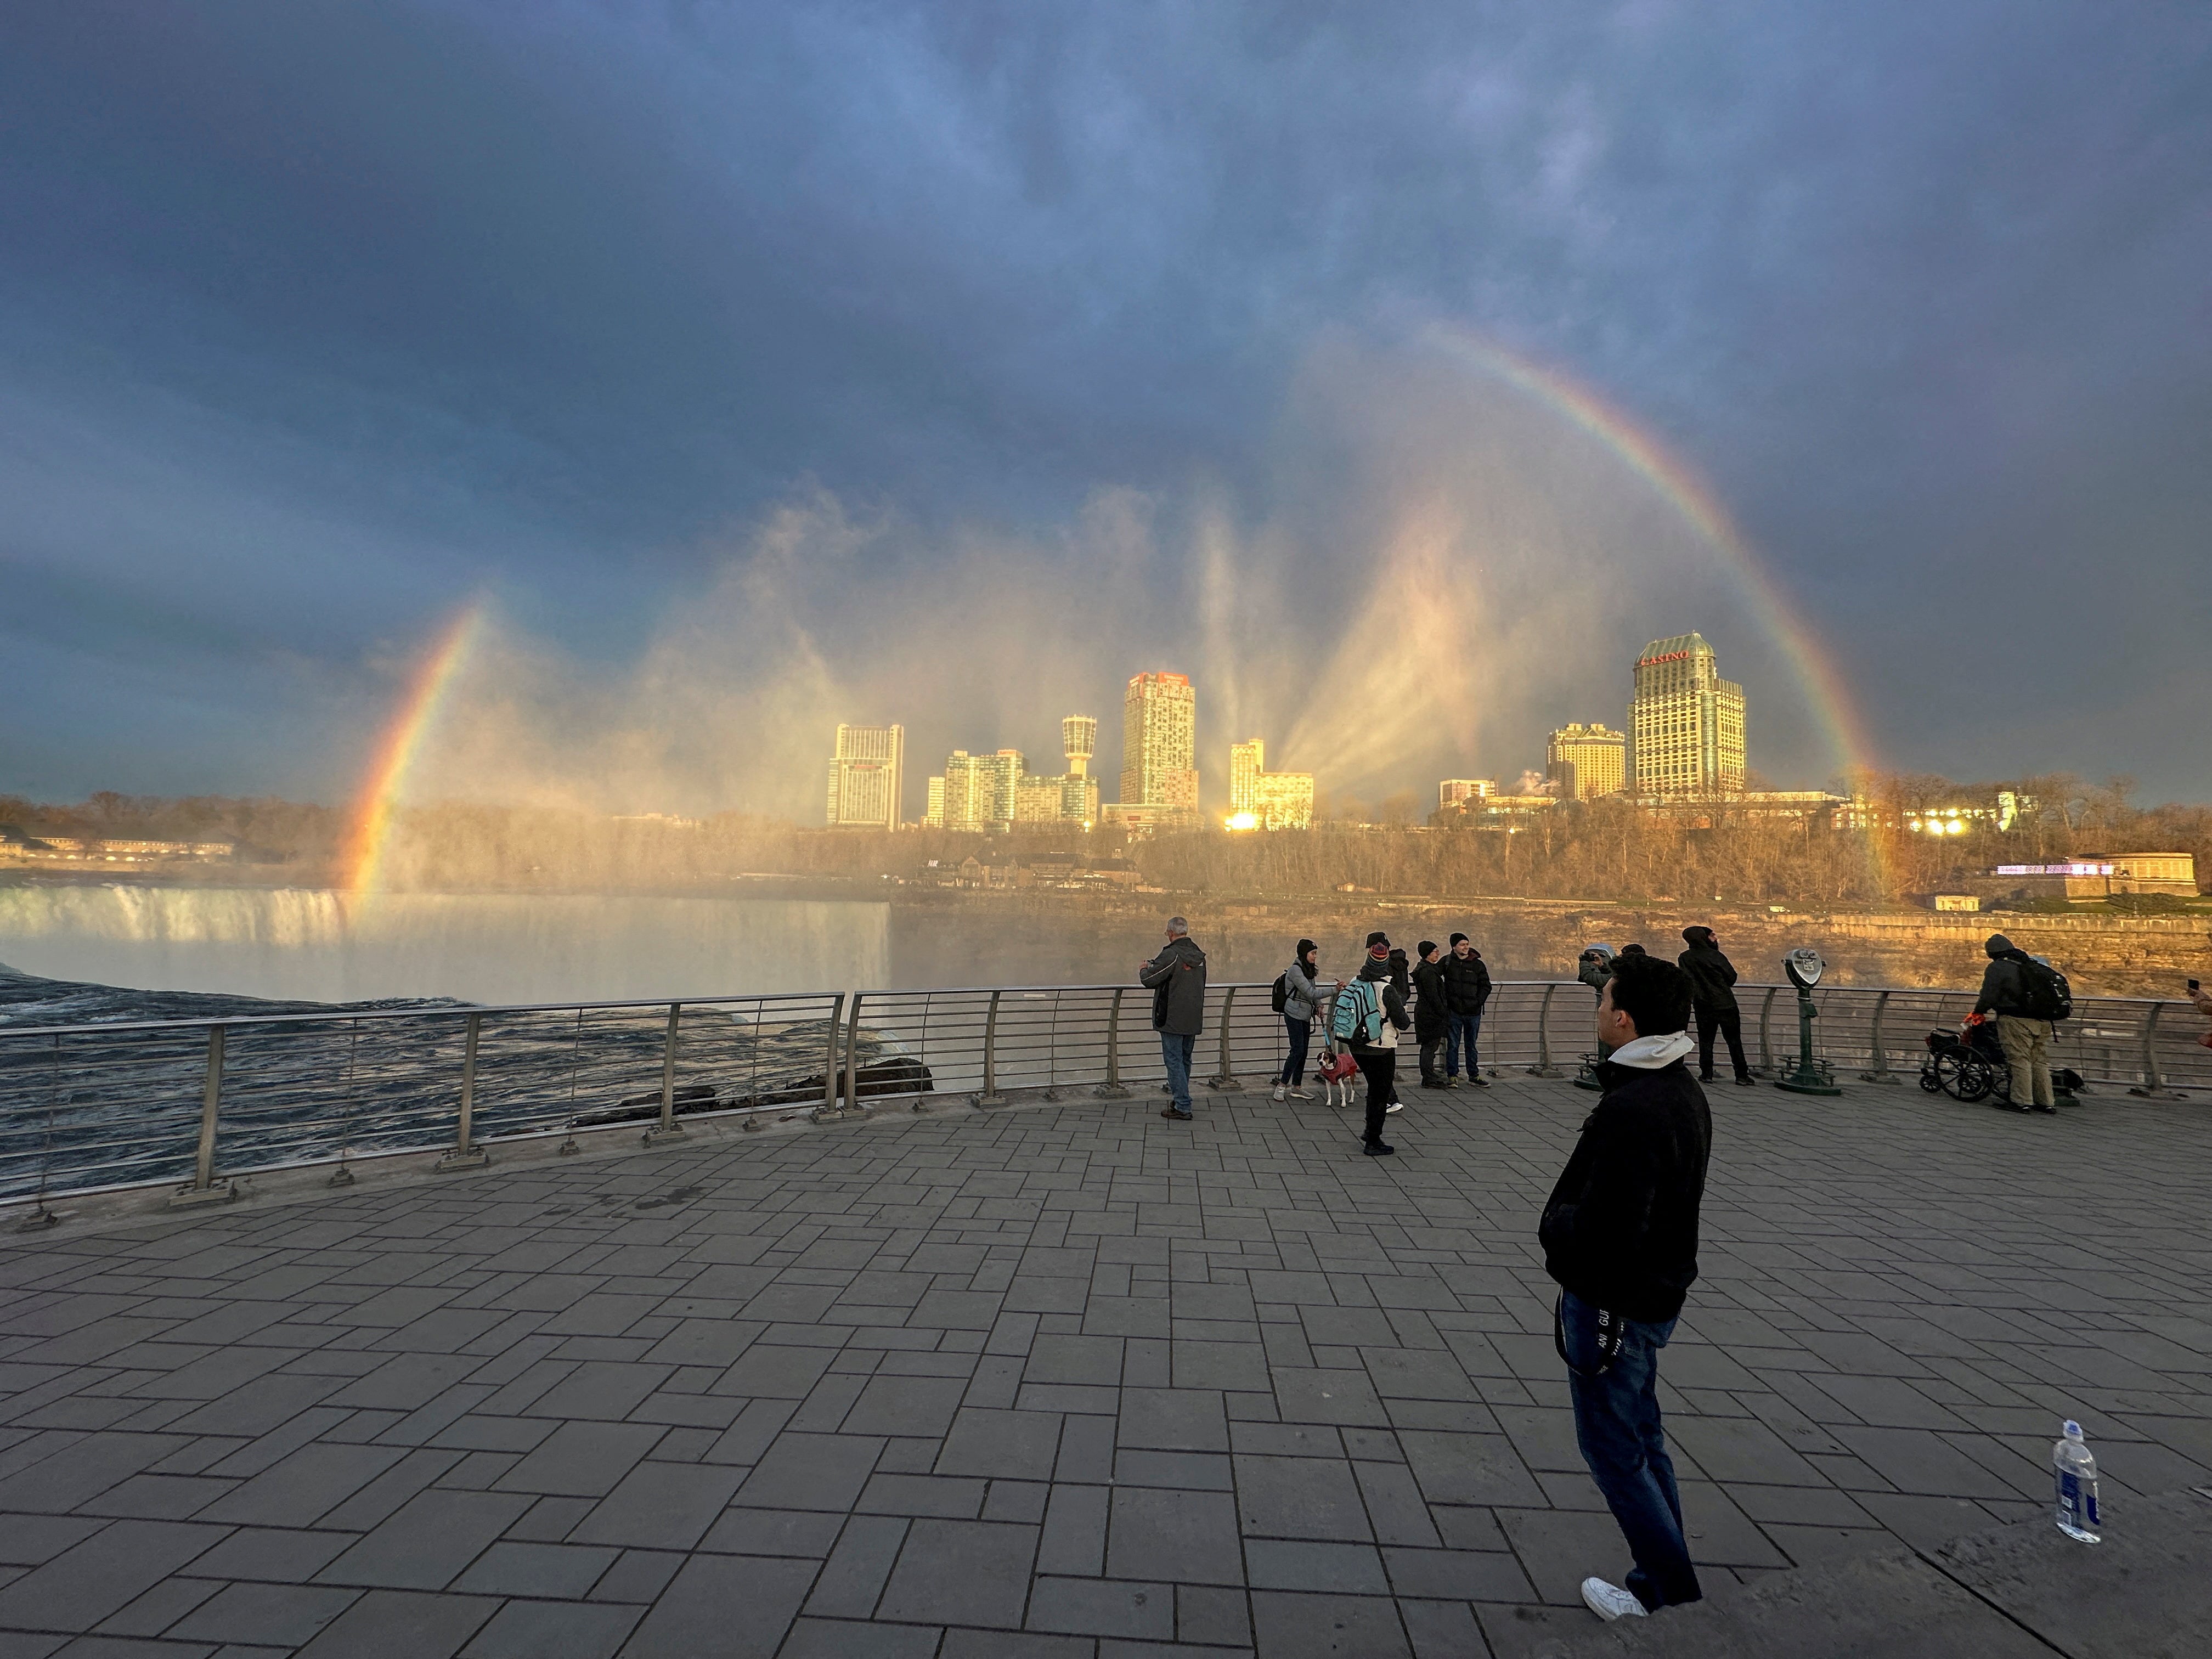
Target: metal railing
198, 1103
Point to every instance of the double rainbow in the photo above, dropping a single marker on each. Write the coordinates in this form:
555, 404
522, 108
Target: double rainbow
361, 865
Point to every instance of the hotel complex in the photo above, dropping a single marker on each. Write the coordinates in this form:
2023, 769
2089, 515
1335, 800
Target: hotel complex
1261, 800
867, 776
1687, 721
1587, 762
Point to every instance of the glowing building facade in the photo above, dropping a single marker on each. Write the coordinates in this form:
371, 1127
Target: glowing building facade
867, 777
1159, 750
1451, 792
1588, 762
1687, 722
1261, 800
982, 790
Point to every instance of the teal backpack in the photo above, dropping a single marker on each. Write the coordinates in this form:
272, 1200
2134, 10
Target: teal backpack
1357, 1019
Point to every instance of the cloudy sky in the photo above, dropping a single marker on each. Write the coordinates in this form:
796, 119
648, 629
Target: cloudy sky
761, 366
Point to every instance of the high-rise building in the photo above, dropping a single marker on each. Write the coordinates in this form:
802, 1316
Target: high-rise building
1687, 721
980, 791
1587, 762
867, 776
933, 814
1450, 791
1159, 743
1261, 800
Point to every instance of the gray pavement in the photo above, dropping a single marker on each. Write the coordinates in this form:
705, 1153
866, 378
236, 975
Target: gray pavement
1066, 1380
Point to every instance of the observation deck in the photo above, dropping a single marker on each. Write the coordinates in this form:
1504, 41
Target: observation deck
1054, 1378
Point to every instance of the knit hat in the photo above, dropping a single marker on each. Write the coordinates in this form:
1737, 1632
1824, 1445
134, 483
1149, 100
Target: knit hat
1997, 944
1458, 938
1378, 937
1424, 948
1304, 946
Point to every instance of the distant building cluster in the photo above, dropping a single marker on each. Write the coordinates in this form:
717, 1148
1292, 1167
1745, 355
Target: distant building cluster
20, 846
1261, 800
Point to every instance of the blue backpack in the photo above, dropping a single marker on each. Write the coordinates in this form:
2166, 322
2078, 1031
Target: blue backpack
1357, 1019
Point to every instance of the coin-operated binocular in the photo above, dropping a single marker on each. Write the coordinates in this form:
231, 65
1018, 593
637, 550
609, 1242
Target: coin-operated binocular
1813, 1077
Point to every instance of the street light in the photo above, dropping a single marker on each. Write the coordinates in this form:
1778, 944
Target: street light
1812, 1077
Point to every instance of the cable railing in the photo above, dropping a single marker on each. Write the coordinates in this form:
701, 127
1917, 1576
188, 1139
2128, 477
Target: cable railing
200, 1104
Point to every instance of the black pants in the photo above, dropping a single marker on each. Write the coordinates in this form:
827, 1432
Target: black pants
1728, 1021
1380, 1067
1432, 1056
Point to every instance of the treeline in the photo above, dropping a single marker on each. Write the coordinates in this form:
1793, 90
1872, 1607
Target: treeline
1599, 849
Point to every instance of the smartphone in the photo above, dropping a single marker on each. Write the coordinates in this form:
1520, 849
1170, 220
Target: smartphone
2192, 984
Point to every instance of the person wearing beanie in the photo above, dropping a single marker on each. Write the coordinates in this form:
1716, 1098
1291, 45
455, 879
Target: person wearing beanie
1619, 1235
1467, 989
1712, 991
1430, 1013
1367, 1018
1303, 998
2024, 1036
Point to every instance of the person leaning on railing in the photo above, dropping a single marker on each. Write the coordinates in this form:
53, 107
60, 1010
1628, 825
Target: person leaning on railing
1177, 979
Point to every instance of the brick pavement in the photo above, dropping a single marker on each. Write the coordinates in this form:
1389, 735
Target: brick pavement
1064, 1380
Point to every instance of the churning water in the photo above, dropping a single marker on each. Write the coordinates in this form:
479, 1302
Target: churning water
302, 945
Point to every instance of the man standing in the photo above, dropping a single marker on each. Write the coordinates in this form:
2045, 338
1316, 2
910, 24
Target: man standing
1712, 987
1429, 1014
1177, 979
2007, 992
1467, 989
1620, 1236
1368, 1015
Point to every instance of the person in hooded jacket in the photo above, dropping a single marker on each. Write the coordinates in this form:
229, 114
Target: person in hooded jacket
1712, 989
1378, 1061
1430, 1013
1304, 998
1466, 990
2025, 1038
1620, 1237
1177, 979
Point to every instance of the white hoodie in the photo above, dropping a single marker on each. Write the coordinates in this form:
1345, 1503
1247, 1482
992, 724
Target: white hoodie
1649, 1053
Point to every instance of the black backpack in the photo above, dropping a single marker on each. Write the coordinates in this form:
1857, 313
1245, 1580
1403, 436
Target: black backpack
2044, 991
1282, 990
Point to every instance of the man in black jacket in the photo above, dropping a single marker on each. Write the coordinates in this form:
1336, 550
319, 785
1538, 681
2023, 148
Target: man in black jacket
1467, 989
1712, 987
2025, 1038
1620, 1236
1429, 1014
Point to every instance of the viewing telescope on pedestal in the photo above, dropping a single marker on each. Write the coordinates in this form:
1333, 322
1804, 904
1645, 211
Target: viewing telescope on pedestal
1812, 1077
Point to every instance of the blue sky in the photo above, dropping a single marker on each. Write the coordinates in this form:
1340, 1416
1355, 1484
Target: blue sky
316, 320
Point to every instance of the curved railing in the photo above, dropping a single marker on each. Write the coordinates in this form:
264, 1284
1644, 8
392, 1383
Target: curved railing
198, 1103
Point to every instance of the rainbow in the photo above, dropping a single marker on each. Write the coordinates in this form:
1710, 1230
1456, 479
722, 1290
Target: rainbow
362, 865
1692, 497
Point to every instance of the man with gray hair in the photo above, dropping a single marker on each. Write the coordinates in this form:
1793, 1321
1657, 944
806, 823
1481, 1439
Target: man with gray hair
1177, 979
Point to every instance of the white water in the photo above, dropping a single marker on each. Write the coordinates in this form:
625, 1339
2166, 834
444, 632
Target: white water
320, 947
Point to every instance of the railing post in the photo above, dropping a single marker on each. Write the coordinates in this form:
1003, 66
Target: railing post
204, 1188
1052, 1050
991, 1096
1766, 1033
1112, 1089
829, 1106
465, 1154
1224, 1077
1543, 1067
852, 1058
668, 1128
2154, 1085
1880, 1072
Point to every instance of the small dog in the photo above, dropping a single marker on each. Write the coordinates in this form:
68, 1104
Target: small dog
1339, 1071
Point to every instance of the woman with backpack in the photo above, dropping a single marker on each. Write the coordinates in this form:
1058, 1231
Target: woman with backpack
1366, 1020
1299, 998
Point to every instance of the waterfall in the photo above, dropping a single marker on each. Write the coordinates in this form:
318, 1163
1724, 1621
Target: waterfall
317, 945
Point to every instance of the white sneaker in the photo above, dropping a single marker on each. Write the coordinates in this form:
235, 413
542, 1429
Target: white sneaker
1394, 1106
1300, 1094
1610, 1602
1278, 1095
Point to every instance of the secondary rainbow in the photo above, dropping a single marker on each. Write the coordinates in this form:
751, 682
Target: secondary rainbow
362, 864
1689, 494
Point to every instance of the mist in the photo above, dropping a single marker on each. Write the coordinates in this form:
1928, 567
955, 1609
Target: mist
1433, 570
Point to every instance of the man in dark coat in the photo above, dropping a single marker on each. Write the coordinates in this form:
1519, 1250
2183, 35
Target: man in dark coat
1466, 990
1620, 1236
1431, 1013
1713, 986
2025, 1038
1177, 979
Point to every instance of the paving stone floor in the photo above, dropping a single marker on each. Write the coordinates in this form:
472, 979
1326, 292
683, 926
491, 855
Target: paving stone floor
1064, 1381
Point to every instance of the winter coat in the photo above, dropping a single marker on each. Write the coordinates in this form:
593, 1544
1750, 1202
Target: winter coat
2003, 989
1177, 979
1305, 996
1711, 974
1434, 1000
1620, 1230
1466, 983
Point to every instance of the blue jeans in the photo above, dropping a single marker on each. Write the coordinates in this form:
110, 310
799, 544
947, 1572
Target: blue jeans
1617, 1426
1293, 1074
1177, 1051
1459, 1027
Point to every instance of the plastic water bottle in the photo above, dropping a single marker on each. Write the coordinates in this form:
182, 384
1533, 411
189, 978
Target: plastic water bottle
2077, 1486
